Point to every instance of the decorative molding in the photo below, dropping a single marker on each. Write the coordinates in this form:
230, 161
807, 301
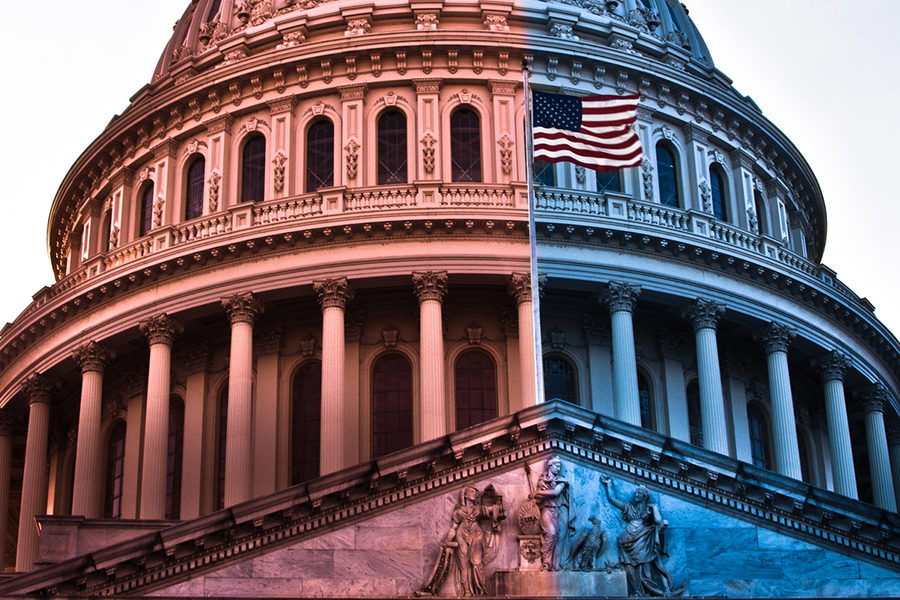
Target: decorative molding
352, 150
431, 85
390, 335
195, 358
359, 26
474, 333
496, 23
427, 21
428, 143
873, 398
309, 345
596, 329
509, 321
670, 344
278, 178
213, 186
353, 326
267, 338
506, 145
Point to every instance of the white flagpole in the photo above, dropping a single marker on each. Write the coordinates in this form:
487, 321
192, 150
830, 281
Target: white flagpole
532, 239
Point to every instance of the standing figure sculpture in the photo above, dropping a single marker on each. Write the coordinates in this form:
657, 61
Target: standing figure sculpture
552, 497
471, 543
640, 545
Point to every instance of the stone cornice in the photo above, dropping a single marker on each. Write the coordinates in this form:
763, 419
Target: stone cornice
664, 465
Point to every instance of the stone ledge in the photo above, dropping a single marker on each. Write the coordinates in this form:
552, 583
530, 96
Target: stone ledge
561, 584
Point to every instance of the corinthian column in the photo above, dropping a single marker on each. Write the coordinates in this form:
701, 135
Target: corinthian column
160, 332
430, 289
832, 367
243, 310
38, 391
704, 315
893, 439
92, 358
873, 399
775, 339
520, 289
621, 298
9, 423
334, 295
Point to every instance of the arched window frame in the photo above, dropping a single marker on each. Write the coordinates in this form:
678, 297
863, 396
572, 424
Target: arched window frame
694, 413
471, 350
367, 409
220, 440
175, 457
295, 372
307, 155
187, 189
756, 444
761, 207
114, 472
412, 383
302, 131
677, 182
452, 354
144, 204
720, 196
106, 224
410, 146
260, 191
452, 152
579, 387
651, 375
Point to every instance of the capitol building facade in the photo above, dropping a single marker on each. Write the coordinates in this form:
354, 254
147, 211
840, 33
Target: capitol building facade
292, 321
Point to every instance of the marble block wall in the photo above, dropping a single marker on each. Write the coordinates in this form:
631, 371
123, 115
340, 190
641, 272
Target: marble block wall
392, 554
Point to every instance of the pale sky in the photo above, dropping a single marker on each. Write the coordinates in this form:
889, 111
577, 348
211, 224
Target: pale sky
822, 70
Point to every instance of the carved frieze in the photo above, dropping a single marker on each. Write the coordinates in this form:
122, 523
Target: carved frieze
427, 21
506, 146
428, 143
352, 150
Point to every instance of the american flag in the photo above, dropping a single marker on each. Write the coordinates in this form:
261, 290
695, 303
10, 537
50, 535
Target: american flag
593, 132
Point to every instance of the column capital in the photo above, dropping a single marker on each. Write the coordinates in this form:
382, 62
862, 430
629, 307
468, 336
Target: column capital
520, 287
9, 422
39, 388
334, 293
873, 397
161, 329
774, 337
703, 314
244, 307
831, 366
431, 285
620, 296
93, 356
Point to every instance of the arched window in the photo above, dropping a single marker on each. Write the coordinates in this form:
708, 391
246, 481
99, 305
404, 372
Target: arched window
115, 471
174, 460
320, 155
718, 193
559, 380
465, 145
544, 173
804, 457
221, 449
145, 219
253, 170
193, 201
476, 389
608, 181
105, 230
305, 422
667, 171
646, 403
695, 420
762, 215
392, 423
392, 148
759, 437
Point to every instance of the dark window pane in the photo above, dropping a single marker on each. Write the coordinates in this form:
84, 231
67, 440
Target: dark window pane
668, 176
194, 199
695, 420
223, 439
544, 173
608, 181
762, 216
475, 389
305, 436
146, 216
718, 194
759, 437
392, 404
559, 380
253, 170
465, 146
392, 148
644, 394
115, 469
176, 453
804, 457
320, 156
213, 10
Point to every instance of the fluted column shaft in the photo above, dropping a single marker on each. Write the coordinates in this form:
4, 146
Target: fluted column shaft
893, 439
776, 339
92, 358
243, 310
160, 332
520, 289
334, 295
8, 423
704, 316
832, 367
874, 398
620, 298
430, 289
38, 390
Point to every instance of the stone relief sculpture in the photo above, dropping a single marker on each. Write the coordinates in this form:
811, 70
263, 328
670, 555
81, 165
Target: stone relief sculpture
471, 543
641, 544
551, 495
588, 546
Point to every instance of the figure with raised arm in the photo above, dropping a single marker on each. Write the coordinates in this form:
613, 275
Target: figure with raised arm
640, 545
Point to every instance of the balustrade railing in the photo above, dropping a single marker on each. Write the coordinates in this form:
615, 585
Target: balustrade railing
477, 196
735, 237
570, 202
198, 230
657, 214
380, 199
286, 210
130, 253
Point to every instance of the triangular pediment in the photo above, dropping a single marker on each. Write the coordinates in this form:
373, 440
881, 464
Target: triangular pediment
376, 530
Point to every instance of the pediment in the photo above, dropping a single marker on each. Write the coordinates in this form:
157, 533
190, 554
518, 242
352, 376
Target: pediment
376, 530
